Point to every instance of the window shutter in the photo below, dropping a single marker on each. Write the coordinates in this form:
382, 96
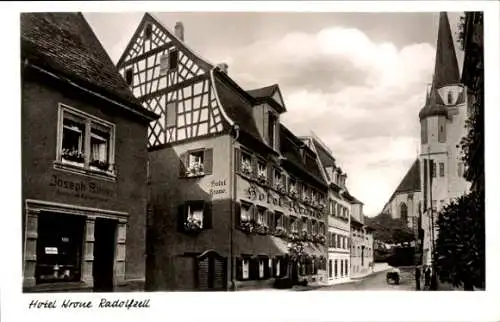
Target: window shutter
208, 161
207, 215
237, 214
283, 181
181, 217
268, 218
183, 164
237, 160
286, 222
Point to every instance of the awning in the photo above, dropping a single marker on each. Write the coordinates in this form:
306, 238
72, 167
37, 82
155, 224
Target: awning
258, 245
312, 249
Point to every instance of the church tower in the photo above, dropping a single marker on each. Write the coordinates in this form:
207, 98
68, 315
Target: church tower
442, 124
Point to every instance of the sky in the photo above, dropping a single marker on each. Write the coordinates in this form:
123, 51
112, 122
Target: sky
358, 80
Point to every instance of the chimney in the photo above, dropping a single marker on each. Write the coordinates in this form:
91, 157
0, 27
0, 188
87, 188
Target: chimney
223, 67
179, 30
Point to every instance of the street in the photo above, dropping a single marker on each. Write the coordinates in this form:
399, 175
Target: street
376, 282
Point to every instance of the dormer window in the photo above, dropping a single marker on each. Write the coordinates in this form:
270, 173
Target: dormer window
450, 97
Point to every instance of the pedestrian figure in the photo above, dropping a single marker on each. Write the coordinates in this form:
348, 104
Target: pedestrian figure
417, 278
427, 275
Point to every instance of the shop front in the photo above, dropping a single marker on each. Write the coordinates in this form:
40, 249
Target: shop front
69, 247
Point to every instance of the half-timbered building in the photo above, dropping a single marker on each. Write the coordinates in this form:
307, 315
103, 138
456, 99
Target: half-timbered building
224, 174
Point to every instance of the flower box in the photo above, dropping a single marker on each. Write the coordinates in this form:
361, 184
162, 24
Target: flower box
246, 168
280, 232
292, 194
195, 170
73, 155
261, 178
260, 229
101, 165
246, 227
193, 225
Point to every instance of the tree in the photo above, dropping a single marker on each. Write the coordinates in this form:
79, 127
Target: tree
460, 246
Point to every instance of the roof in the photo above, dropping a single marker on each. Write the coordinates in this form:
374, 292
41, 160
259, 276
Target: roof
434, 105
355, 221
64, 44
263, 92
290, 146
327, 160
267, 94
446, 70
411, 180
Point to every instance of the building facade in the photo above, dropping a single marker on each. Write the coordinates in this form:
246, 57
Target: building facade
339, 213
84, 161
362, 243
236, 200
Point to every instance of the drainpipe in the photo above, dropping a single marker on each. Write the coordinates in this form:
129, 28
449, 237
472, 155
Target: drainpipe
232, 182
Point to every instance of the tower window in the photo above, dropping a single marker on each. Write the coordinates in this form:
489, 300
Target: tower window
423, 131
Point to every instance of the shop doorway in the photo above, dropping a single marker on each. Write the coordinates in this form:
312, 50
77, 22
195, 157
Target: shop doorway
104, 254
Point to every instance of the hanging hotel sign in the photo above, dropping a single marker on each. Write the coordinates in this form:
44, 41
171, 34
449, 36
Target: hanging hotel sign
81, 188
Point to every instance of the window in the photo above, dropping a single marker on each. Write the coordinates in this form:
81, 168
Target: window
59, 248
245, 267
341, 267
129, 76
279, 219
433, 168
294, 224
277, 178
278, 263
441, 169
197, 162
423, 131
246, 212
195, 214
450, 97
85, 142
330, 268
292, 185
163, 64
261, 170
261, 215
334, 240
335, 269
173, 59
339, 241
271, 129
261, 268
246, 163
346, 270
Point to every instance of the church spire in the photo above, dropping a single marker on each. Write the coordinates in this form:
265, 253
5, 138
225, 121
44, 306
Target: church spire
446, 69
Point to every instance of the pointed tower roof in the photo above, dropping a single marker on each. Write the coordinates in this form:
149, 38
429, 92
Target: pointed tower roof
446, 65
434, 105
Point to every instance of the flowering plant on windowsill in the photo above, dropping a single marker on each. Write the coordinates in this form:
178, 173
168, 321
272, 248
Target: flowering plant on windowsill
280, 232
294, 236
292, 193
195, 170
260, 228
246, 226
261, 178
306, 200
246, 168
73, 155
193, 225
101, 165
280, 188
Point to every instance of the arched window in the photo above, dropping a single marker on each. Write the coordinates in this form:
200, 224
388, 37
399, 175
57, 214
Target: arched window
404, 213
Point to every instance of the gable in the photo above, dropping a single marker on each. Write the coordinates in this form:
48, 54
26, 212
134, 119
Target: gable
278, 98
171, 80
